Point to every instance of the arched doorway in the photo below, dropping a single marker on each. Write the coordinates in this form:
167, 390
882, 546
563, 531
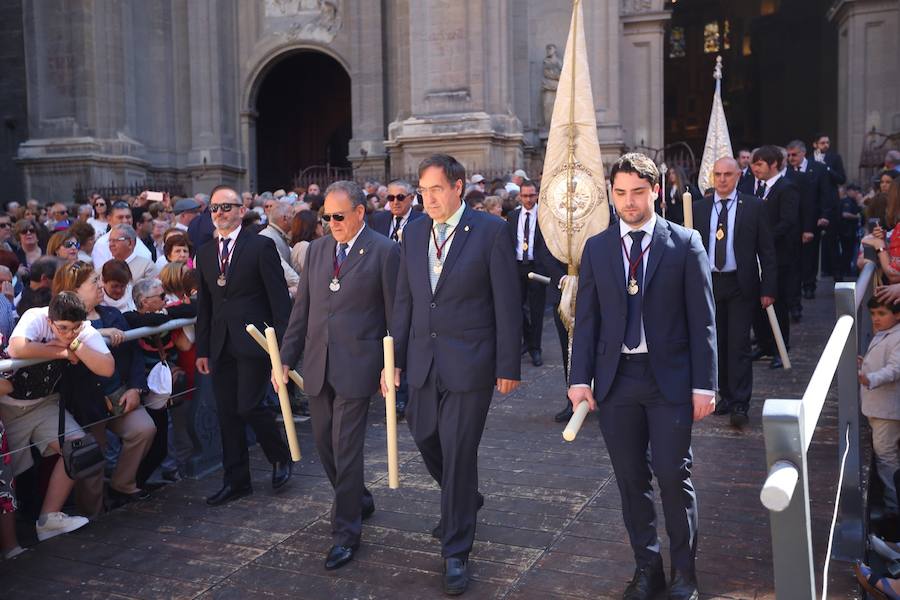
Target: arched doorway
304, 118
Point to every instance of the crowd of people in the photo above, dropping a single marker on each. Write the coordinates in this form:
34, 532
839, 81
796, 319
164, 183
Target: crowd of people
75, 278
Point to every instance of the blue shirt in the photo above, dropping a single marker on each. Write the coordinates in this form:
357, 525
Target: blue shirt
730, 261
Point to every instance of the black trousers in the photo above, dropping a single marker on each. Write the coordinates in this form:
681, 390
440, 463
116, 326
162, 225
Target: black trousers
847, 259
534, 298
734, 317
447, 428
787, 276
339, 430
563, 341
240, 386
809, 261
636, 417
159, 448
830, 249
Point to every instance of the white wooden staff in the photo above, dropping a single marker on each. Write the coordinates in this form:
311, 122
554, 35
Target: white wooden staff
576, 421
390, 411
289, 429
779, 339
261, 340
539, 278
688, 200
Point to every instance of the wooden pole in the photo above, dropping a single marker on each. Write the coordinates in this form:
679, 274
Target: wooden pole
289, 429
390, 412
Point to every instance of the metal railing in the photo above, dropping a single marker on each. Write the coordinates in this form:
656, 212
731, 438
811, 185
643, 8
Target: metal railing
788, 429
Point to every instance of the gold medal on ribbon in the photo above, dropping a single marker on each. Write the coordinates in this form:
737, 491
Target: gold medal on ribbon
720, 234
632, 287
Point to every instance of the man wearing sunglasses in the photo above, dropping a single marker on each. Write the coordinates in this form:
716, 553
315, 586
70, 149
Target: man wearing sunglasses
390, 223
241, 282
340, 315
120, 214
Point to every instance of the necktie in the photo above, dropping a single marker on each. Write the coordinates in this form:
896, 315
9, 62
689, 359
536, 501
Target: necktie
722, 235
223, 259
525, 237
761, 189
396, 234
342, 254
434, 274
635, 302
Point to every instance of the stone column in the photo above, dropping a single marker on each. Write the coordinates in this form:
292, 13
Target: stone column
604, 48
868, 74
641, 80
367, 81
455, 47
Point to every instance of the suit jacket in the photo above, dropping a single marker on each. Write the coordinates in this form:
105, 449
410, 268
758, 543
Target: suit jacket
882, 366
255, 292
380, 221
818, 197
466, 329
675, 207
746, 182
512, 222
835, 166
679, 313
339, 334
752, 241
201, 229
141, 267
783, 209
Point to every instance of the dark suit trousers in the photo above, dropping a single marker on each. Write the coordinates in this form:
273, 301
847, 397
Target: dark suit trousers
734, 317
633, 417
339, 429
809, 265
787, 275
447, 428
563, 335
246, 381
534, 298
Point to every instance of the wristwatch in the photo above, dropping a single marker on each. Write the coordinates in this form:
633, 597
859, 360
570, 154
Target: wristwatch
75, 345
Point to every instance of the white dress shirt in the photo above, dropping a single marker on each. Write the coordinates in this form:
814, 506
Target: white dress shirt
101, 254
520, 233
403, 221
730, 260
769, 184
337, 247
232, 237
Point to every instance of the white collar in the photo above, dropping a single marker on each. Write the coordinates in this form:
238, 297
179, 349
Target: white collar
625, 228
771, 182
231, 236
353, 240
727, 199
804, 164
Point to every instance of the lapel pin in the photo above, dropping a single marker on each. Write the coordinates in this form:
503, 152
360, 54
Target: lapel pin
466, 228
362, 250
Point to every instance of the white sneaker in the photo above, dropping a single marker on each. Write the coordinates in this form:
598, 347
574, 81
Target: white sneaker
58, 523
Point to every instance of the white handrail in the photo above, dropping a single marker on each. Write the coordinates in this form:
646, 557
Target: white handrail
820, 382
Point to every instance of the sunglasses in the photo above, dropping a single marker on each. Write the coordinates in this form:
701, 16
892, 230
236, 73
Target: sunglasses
28, 230
71, 244
224, 207
5, 225
398, 197
99, 203
336, 216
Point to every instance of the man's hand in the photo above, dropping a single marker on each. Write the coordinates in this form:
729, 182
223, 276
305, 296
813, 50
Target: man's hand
579, 394
888, 294
284, 377
823, 222
131, 399
203, 365
863, 379
704, 404
505, 386
807, 237
384, 390
766, 301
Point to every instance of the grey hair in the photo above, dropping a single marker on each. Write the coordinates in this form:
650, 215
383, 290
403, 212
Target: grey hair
796, 145
85, 209
141, 289
282, 208
407, 186
127, 230
353, 191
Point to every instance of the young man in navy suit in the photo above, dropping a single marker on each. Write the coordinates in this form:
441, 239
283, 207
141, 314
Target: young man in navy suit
457, 338
645, 338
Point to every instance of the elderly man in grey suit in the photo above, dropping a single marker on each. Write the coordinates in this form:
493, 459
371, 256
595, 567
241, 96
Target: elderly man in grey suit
340, 316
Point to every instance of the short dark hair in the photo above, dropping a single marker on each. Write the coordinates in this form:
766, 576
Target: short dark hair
768, 154
528, 183
820, 135
874, 302
45, 266
223, 186
852, 187
67, 306
116, 270
637, 163
351, 189
452, 168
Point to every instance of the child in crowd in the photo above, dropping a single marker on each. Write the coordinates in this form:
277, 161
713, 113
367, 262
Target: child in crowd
880, 392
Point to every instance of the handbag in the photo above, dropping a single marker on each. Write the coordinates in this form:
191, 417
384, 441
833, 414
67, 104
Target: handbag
82, 457
164, 381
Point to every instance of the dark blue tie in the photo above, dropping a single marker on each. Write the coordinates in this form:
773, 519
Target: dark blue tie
223, 258
633, 322
342, 254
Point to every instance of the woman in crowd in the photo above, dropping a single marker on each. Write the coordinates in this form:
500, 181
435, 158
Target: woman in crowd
63, 245
176, 248
99, 221
90, 398
86, 236
9, 543
886, 242
304, 229
671, 204
116, 278
26, 234
494, 205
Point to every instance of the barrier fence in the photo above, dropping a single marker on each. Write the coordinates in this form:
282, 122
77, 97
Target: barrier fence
788, 429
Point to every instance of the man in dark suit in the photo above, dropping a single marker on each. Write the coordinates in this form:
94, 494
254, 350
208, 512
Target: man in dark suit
241, 282
342, 307
746, 180
527, 239
390, 223
782, 202
645, 336
456, 338
735, 230
556, 270
818, 210
823, 154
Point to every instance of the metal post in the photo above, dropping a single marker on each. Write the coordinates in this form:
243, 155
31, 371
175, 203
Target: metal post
792, 554
849, 537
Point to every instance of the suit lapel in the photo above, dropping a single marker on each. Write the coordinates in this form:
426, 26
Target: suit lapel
460, 236
616, 263
706, 207
357, 252
239, 244
739, 210
660, 239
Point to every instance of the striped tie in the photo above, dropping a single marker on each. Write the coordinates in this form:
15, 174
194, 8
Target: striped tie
441, 229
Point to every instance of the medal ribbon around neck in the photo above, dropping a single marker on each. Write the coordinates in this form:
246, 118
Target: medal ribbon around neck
225, 261
632, 266
439, 248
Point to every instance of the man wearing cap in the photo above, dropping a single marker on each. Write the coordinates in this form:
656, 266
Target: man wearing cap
185, 210
515, 181
479, 182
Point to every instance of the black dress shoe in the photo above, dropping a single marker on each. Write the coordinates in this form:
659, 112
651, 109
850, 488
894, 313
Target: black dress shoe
722, 408
739, 416
564, 415
648, 581
536, 357
368, 511
796, 314
760, 355
229, 493
401, 410
456, 576
339, 556
683, 586
776, 363
281, 474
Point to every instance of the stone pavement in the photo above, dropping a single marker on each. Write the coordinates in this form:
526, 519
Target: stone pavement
550, 527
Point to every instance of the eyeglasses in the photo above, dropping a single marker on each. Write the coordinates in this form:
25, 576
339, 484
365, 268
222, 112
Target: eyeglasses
5, 225
64, 329
336, 216
61, 212
120, 239
223, 206
28, 230
398, 197
99, 203
71, 244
